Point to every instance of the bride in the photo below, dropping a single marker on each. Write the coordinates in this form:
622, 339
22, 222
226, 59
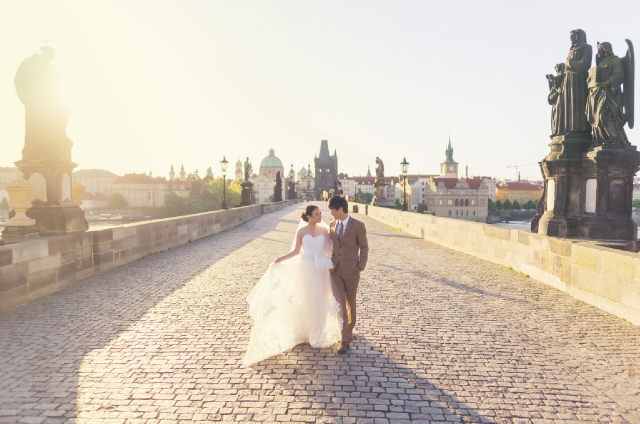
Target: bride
293, 302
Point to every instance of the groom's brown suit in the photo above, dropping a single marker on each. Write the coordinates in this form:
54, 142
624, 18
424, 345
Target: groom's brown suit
350, 253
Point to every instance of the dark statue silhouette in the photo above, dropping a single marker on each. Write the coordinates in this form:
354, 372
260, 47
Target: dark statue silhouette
36, 84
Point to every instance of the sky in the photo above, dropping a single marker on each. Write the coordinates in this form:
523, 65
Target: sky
156, 83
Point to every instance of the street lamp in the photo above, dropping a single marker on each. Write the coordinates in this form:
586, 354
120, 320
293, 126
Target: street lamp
223, 165
405, 166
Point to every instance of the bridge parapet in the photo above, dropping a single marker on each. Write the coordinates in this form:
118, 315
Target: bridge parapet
601, 276
39, 267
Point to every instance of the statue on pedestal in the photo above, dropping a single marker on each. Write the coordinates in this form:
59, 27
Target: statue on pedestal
46, 156
608, 106
379, 172
277, 189
247, 185
37, 84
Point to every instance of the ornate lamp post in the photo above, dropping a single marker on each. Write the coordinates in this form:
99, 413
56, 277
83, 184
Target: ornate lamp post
405, 166
223, 165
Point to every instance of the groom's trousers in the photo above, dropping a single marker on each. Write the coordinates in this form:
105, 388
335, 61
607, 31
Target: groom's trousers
345, 287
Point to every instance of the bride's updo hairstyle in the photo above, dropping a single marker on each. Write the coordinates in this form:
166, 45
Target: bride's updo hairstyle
308, 212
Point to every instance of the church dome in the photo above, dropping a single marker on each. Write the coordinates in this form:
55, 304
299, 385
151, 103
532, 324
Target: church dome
239, 163
271, 161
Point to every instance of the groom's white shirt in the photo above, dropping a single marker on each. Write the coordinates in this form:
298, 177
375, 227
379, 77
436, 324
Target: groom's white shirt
344, 225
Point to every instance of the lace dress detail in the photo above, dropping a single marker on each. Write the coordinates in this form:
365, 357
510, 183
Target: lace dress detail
293, 303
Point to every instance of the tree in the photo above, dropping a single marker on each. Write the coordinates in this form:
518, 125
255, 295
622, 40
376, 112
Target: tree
117, 200
193, 176
174, 205
4, 204
491, 206
362, 197
397, 205
422, 207
516, 205
635, 203
498, 205
507, 205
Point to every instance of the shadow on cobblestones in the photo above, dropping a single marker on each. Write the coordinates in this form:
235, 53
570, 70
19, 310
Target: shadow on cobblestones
44, 344
364, 385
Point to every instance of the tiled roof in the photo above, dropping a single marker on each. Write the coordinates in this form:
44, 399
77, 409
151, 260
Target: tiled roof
139, 179
473, 183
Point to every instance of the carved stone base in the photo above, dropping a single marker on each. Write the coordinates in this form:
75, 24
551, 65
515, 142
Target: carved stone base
52, 220
588, 191
245, 196
18, 234
552, 225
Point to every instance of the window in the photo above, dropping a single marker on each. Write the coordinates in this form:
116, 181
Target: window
456, 213
449, 213
466, 202
457, 204
449, 202
473, 202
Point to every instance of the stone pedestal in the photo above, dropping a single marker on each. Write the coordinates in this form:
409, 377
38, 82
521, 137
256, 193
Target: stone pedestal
53, 208
20, 228
587, 191
245, 196
379, 198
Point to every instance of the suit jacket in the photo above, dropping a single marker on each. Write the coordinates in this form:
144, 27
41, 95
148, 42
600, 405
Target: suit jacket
350, 253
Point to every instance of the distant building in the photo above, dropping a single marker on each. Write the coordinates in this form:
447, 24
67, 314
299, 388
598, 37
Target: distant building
306, 184
348, 184
95, 180
239, 172
448, 195
522, 191
265, 181
262, 188
271, 165
94, 201
326, 169
141, 190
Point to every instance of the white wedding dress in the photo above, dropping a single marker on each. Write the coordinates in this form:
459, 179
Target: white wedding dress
293, 303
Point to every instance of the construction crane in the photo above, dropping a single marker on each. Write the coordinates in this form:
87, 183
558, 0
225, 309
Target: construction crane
520, 166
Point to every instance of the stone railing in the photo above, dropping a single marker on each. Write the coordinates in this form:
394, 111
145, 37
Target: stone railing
606, 278
36, 268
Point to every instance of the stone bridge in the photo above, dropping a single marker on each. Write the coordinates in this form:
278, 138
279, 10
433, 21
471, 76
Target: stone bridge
441, 336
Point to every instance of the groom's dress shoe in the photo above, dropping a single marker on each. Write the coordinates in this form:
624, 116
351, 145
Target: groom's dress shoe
343, 348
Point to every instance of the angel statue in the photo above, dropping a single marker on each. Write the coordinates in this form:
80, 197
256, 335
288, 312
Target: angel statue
610, 101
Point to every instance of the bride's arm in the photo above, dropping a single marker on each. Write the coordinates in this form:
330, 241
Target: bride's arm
328, 244
295, 251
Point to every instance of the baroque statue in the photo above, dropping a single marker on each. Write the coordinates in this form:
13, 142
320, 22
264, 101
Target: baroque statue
379, 172
247, 170
569, 88
611, 97
36, 84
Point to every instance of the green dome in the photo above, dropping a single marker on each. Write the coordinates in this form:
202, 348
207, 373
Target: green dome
271, 161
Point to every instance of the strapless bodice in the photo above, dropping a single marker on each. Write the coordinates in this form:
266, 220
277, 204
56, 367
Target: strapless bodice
312, 246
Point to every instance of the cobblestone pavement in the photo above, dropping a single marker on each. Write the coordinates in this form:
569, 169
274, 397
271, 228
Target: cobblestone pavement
442, 336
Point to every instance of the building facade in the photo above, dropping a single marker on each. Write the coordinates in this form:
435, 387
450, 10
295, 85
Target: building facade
448, 195
348, 185
141, 190
326, 166
521, 191
95, 180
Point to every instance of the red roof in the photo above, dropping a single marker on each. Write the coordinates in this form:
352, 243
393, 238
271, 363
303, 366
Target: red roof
473, 183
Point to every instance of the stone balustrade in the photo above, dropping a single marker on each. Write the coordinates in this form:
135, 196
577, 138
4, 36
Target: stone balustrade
604, 277
36, 268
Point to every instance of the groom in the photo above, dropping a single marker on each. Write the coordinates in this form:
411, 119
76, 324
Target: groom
350, 252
